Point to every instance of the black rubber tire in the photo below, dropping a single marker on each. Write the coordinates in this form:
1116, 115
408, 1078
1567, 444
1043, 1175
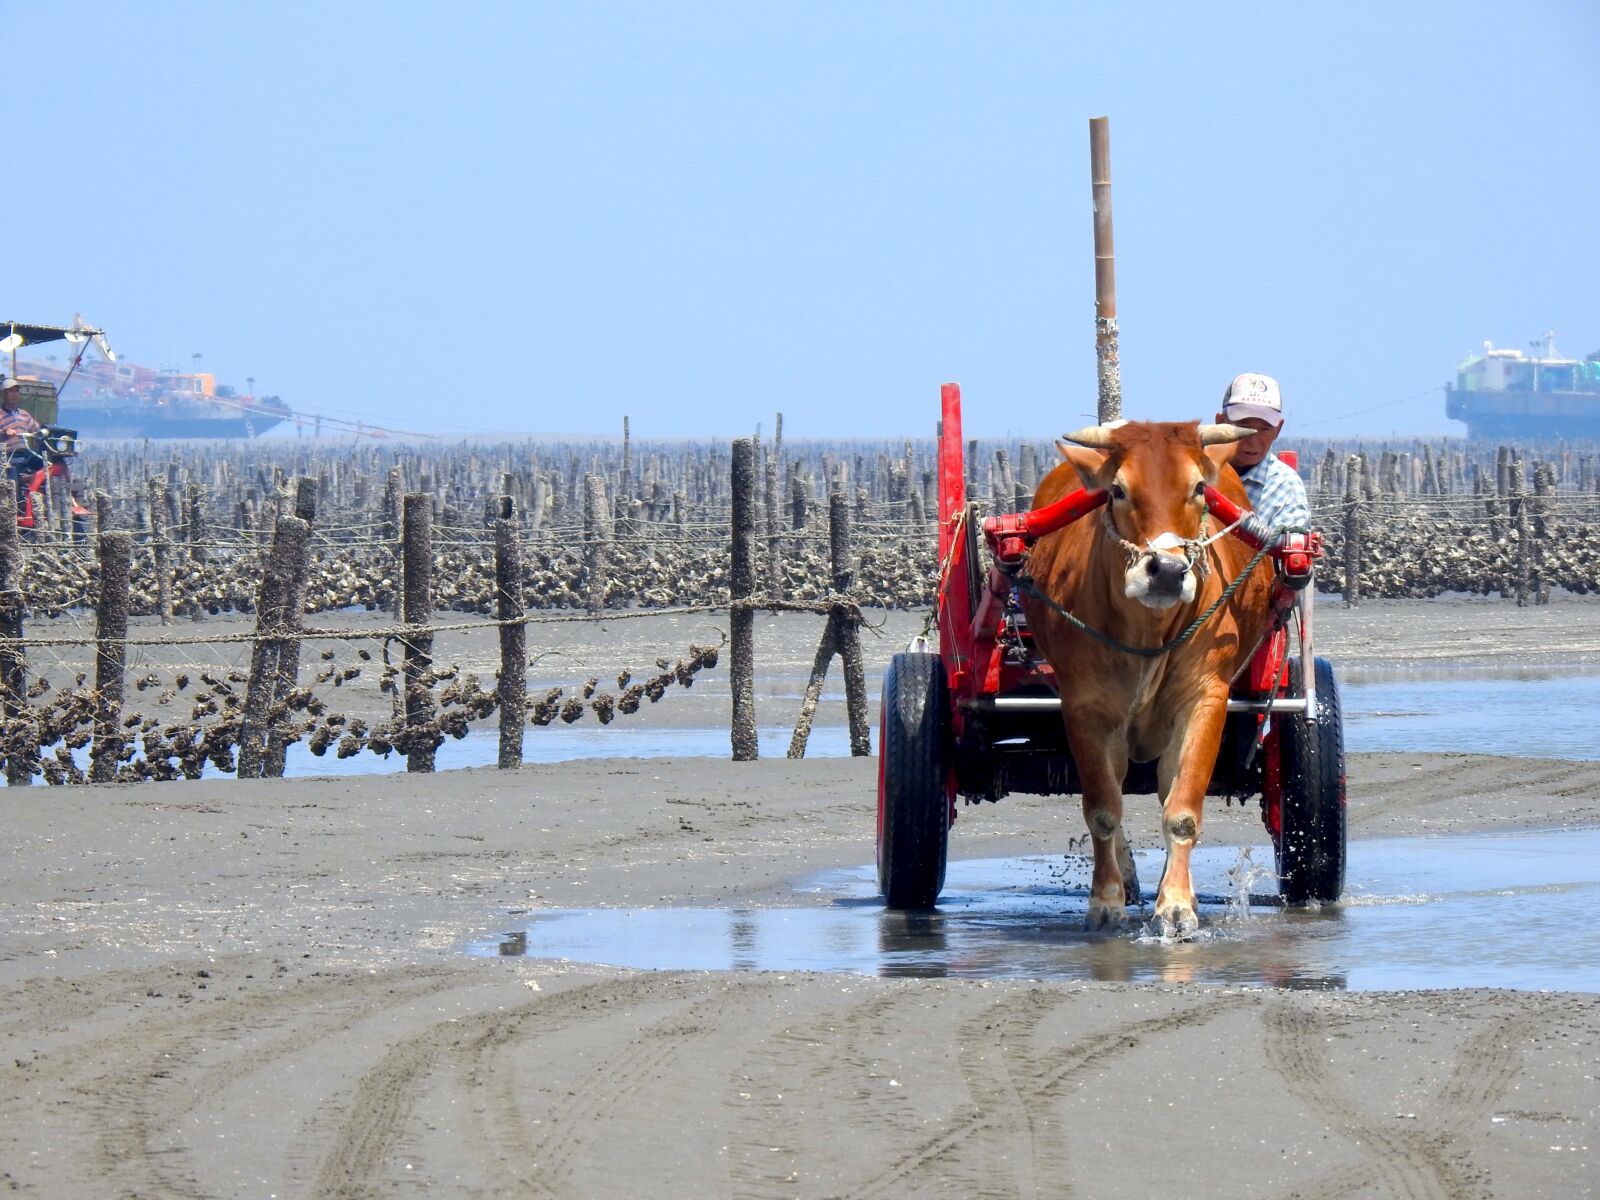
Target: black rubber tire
914, 777
1312, 833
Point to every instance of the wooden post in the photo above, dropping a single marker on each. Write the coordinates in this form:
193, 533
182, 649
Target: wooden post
512, 689
742, 586
596, 551
1544, 483
417, 610
846, 633
625, 482
826, 648
541, 500
1105, 274
798, 498
774, 542
13, 662
393, 487
1352, 531
1519, 501
286, 670
110, 654
271, 598
158, 550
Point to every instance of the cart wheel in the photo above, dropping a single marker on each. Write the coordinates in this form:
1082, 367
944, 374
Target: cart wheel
915, 781
1310, 840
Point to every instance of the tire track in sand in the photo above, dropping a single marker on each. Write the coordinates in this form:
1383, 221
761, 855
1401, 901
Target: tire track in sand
1003, 1139
1421, 1163
173, 1076
538, 1157
528, 1158
141, 1077
839, 1055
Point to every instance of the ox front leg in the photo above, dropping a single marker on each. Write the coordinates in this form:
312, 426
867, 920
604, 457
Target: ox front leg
1102, 813
1184, 773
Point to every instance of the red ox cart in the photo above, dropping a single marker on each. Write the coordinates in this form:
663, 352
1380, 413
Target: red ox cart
982, 718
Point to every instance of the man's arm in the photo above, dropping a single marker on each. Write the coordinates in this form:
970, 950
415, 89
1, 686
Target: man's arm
1284, 503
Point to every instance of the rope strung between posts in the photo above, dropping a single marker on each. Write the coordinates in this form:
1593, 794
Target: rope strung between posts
402, 633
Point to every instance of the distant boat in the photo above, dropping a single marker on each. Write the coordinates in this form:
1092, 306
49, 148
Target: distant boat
110, 399
1506, 394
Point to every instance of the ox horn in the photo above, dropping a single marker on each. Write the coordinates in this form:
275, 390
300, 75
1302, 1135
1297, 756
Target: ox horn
1097, 436
1221, 435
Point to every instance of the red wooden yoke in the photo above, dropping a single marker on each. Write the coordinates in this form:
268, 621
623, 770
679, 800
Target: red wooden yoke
983, 640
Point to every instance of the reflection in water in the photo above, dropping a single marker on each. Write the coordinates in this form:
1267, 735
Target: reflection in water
515, 945
742, 940
913, 944
1418, 912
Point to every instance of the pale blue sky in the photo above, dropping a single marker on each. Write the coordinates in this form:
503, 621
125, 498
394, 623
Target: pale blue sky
540, 217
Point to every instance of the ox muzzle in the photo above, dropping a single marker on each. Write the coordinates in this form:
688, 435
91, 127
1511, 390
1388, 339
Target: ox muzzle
1163, 572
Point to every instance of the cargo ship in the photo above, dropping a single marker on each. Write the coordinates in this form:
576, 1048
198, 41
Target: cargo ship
105, 399
1506, 394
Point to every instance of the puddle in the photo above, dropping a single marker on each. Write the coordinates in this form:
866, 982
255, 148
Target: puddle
1506, 911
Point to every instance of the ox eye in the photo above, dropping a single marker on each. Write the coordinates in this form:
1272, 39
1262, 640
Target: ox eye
1200, 488
1118, 492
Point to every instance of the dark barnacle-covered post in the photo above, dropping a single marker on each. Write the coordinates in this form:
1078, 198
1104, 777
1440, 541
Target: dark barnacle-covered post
272, 596
286, 672
742, 618
847, 632
18, 750
1352, 531
110, 654
417, 610
512, 689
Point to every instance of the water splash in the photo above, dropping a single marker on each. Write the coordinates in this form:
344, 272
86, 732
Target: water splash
1242, 876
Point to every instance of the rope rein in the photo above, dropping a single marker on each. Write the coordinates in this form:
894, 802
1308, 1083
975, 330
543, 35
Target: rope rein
1027, 583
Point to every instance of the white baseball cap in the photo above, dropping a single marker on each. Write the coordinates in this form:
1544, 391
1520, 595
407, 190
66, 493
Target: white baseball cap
1252, 395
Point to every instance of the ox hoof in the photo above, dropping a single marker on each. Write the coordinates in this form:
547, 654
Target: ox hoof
1177, 921
1103, 916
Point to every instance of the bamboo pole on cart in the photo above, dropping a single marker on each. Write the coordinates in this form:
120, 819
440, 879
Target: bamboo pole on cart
1108, 364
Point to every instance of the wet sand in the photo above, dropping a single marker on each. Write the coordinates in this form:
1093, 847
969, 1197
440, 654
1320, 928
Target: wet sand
252, 989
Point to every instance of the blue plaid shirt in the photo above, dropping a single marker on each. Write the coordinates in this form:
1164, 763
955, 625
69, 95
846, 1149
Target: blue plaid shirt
1277, 493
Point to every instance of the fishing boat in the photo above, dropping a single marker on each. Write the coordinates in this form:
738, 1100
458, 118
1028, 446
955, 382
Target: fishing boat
1509, 394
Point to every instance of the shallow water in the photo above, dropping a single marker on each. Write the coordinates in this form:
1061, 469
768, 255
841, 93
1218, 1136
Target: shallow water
1530, 713
1505, 911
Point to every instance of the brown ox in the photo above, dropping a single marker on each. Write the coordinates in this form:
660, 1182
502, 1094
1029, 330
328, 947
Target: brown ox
1136, 571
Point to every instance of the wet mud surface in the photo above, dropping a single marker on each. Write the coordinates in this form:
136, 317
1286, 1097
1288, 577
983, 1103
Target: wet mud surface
247, 989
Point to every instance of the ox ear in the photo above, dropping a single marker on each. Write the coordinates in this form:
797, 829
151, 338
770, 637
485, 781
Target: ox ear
1212, 461
1090, 464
